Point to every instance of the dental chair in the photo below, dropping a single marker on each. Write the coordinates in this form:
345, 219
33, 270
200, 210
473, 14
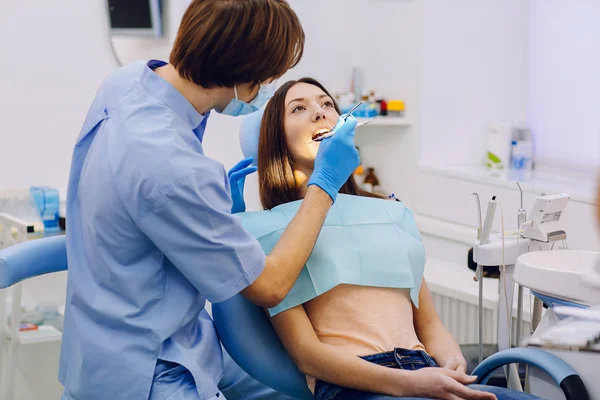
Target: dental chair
246, 332
247, 335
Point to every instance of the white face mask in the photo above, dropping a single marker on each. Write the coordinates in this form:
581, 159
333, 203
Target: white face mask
237, 107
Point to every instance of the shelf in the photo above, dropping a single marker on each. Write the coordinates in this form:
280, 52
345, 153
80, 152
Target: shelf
386, 121
44, 334
581, 187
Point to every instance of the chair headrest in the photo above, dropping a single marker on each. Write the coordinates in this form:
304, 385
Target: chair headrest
249, 134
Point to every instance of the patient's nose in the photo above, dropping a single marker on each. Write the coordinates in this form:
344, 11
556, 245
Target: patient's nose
319, 115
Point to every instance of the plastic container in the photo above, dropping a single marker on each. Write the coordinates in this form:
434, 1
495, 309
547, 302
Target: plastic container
47, 201
367, 109
522, 155
395, 108
498, 137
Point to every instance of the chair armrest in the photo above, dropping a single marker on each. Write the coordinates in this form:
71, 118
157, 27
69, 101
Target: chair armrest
32, 258
561, 372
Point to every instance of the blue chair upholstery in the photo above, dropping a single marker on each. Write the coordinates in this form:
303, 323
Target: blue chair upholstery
247, 335
32, 258
249, 338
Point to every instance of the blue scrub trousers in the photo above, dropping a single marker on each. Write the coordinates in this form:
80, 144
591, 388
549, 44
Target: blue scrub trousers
178, 384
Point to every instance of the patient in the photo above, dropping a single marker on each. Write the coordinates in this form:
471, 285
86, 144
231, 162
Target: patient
353, 342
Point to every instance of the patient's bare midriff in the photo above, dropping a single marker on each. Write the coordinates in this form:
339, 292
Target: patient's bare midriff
364, 320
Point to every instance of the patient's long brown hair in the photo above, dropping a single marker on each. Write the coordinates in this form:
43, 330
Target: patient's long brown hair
275, 166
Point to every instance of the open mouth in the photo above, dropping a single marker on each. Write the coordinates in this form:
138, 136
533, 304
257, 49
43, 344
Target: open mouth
319, 133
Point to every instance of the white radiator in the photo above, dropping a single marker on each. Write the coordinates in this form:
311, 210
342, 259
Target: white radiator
456, 298
461, 319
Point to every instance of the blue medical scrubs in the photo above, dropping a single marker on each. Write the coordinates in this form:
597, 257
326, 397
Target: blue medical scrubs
150, 239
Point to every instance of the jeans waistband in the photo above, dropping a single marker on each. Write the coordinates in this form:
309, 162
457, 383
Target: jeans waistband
401, 356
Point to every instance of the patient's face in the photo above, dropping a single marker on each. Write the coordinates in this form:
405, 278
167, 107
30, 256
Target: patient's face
307, 110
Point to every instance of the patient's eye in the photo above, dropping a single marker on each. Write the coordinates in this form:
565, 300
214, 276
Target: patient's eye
328, 103
298, 109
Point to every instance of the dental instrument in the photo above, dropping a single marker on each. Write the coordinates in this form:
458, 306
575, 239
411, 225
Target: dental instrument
330, 134
363, 123
489, 219
521, 214
521, 219
349, 113
478, 278
344, 118
479, 224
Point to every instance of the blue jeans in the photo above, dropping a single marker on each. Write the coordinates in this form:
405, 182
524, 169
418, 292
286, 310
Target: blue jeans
175, 382
407, 360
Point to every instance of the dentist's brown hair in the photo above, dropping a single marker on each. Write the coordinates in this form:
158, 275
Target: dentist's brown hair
221, 43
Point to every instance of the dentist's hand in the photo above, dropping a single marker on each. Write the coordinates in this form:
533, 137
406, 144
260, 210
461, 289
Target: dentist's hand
237, 178
337, 158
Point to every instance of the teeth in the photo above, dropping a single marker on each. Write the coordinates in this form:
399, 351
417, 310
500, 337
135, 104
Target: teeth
320, 132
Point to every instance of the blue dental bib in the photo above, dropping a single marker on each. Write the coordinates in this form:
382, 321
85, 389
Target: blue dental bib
364, 241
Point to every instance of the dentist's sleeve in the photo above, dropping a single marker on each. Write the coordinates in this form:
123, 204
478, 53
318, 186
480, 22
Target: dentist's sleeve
190, 222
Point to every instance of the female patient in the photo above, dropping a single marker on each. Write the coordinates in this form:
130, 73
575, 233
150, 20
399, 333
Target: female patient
357, 342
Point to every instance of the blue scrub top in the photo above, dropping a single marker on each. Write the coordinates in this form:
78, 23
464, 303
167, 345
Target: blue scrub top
150, 238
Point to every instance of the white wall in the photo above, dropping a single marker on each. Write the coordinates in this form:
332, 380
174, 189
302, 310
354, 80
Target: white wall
54, 56
475, 72
564, 60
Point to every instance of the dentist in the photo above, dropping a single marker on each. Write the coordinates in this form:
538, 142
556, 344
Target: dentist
150, 234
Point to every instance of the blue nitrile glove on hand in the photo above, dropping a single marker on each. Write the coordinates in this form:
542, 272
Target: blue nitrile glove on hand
337, 158
237, 178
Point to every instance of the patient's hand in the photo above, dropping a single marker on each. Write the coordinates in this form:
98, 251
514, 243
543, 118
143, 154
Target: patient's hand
456, 364
440, 383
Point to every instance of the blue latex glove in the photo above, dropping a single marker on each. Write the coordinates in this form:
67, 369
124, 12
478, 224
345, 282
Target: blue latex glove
237, 178
337, 158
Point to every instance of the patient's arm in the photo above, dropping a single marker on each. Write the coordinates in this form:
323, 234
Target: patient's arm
438, 342
334, 365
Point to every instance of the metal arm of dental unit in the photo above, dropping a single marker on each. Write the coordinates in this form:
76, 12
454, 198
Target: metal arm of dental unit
503, 250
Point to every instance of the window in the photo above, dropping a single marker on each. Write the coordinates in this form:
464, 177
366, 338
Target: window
564, 82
